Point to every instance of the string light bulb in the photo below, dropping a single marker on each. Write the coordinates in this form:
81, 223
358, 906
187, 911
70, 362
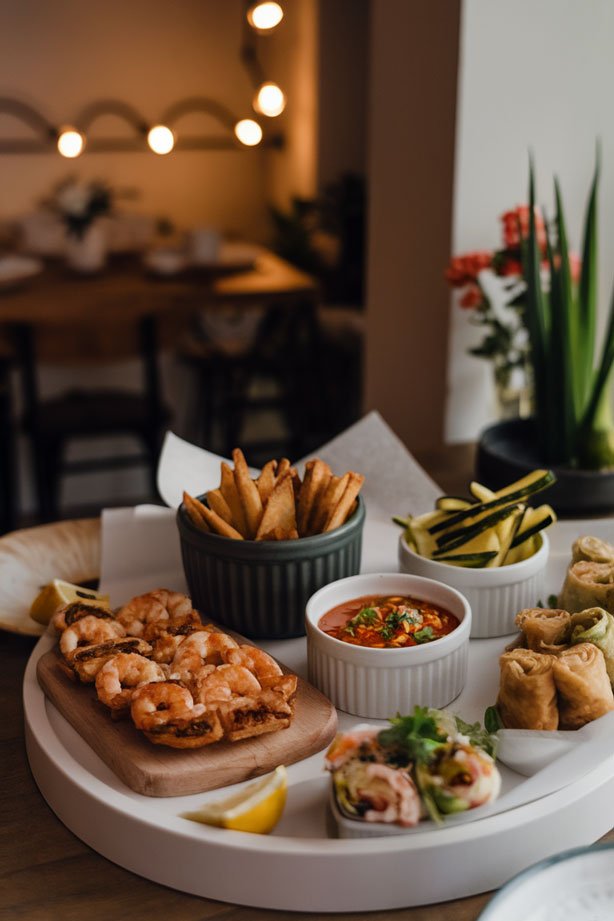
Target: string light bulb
248, 132
270, 100
70, 142
161, 139
264, 16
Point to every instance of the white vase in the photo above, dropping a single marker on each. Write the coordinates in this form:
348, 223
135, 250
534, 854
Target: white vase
87, 252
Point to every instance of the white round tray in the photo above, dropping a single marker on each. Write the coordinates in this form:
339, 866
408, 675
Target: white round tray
299, 867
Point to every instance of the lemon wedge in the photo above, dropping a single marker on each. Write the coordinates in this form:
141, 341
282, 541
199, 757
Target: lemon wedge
256, 809
57, 594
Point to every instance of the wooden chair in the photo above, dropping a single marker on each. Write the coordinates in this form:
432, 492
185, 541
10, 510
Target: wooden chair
226, 372
52, 423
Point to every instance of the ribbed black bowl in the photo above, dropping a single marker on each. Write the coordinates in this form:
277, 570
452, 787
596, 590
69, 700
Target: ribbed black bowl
260, 588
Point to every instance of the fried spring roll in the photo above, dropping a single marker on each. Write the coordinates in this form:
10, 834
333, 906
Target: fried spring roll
588, 585
544, 627
595, 626
527, 692
583, 685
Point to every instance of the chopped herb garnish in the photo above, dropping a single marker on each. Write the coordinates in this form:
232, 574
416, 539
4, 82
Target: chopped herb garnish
424, 635
481, 738
417, 737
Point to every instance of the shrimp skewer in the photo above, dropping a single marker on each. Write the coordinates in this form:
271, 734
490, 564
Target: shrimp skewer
121, 675
167, 715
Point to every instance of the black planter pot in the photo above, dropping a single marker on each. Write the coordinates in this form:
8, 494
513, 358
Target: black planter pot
508, 450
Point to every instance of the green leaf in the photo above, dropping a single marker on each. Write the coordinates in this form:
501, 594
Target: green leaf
587, 293
417, 736
492, 720
538, 325
479, 737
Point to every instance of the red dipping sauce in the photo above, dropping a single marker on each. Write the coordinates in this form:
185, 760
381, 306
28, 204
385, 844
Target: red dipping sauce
388, 621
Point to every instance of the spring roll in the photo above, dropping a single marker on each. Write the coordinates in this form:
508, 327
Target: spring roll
588, 585
593, 550
595, 626
527, 693
544, 627
583, 686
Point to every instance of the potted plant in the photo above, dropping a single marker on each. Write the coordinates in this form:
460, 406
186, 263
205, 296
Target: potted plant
572, 430
80, 205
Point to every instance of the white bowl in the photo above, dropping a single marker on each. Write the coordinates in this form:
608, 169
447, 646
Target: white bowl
495, 595
379, 683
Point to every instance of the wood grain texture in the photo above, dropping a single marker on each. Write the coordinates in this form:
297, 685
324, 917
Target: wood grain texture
155, 770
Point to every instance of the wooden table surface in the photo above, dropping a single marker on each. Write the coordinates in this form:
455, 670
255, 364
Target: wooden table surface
48, 873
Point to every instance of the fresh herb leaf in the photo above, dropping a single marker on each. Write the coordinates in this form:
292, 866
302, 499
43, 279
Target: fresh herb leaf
553, 601
424, 635
480, 738
364, 616
492, 720
417, 736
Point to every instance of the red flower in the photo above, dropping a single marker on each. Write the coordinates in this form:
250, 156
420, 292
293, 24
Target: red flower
516, 227
472, 297
464, 269
510, 267
575, 267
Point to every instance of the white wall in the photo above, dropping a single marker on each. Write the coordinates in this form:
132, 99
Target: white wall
533, 75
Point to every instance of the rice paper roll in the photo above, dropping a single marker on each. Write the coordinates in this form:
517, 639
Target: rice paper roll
583, 686
544, 627
588, 585
595, 626
527, 692
592, 550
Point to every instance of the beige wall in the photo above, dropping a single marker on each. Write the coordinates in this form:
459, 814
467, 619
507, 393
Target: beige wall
63, 54
414, 57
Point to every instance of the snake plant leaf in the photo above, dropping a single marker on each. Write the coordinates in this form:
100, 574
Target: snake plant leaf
537, 315
565, 325
587, 293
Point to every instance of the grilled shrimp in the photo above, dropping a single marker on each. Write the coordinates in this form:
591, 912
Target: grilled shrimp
160, 607
198, 649
88, 631
70, 613
166, 644
167, 714
88, 661
256, 660
224, 684
117, 679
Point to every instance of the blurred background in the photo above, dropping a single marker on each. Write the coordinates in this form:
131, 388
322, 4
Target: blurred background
268, 263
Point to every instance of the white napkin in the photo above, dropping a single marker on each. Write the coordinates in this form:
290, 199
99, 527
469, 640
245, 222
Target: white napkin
140, 546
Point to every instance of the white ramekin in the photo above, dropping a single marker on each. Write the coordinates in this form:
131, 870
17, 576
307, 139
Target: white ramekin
495, 595
379, 683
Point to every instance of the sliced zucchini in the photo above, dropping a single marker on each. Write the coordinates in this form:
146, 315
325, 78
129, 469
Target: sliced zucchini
453, 539
402, 522
483, 493
521, 552
534, 521
532, 484
452, 503
425, 542
469, 560
506, 531
485, 543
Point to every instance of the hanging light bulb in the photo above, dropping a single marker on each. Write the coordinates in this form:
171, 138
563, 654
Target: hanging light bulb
264, 16
248, 132
269, 100
70, 142
161, 139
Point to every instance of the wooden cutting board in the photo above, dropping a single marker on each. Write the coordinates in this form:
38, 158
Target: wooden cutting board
154, 770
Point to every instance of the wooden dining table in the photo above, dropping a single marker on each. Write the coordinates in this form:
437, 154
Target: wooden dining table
63, 318
47, 873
